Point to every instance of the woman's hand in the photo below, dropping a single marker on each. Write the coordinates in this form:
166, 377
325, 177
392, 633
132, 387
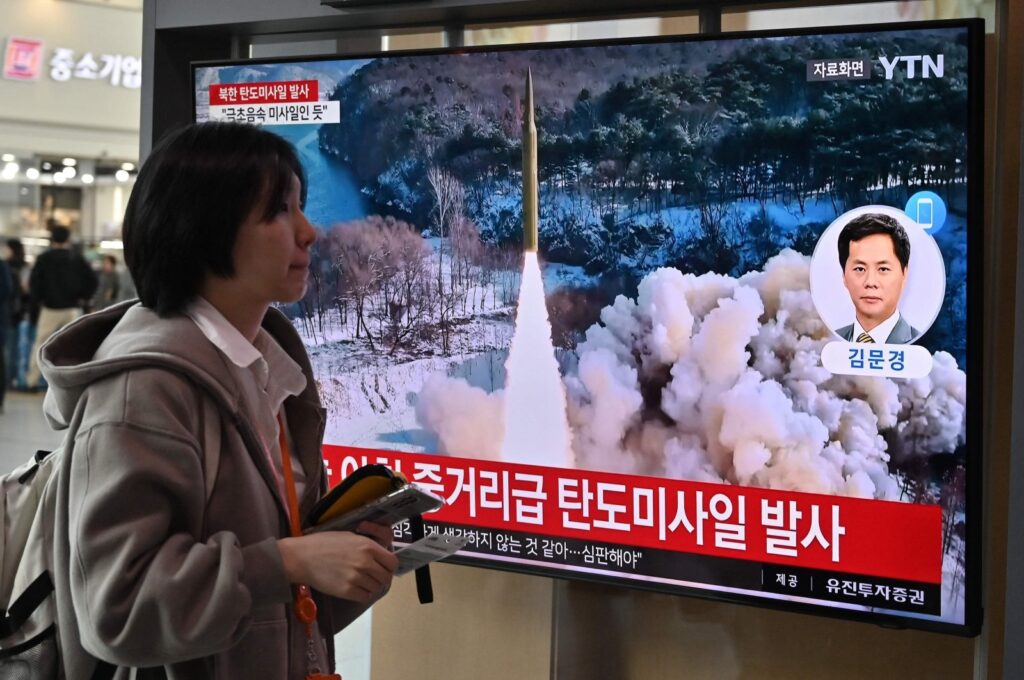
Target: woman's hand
383, 535
342, 563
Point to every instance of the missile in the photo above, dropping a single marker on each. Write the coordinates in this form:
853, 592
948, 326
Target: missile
529, 171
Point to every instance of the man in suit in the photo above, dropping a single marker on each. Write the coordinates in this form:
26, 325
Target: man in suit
874, 252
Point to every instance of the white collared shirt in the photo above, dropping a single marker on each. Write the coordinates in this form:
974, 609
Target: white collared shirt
221, 333
880, 333
271, 371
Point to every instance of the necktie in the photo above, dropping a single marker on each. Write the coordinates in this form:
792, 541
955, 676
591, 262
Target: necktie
864, 337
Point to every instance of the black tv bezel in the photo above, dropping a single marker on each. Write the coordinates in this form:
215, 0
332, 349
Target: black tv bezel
973, 613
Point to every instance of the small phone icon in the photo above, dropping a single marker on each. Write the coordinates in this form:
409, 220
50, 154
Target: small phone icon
925, 213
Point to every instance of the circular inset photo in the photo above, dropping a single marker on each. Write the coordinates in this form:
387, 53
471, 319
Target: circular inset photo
877, 277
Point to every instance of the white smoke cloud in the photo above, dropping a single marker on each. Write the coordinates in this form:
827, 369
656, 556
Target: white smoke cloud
703, 292
605, 401
720, 347
772, 444
685, 459
619, 331
662, 299
467, 421
786, 272
932, 411
680, 399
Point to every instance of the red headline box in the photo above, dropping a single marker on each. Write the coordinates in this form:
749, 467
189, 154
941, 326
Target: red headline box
265, 93
831, 533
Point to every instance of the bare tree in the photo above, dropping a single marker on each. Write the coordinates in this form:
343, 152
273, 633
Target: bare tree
357, 255
404, 307
448, 197
382, 269
449, 200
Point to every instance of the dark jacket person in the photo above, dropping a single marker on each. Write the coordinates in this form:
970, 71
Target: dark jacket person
61, 282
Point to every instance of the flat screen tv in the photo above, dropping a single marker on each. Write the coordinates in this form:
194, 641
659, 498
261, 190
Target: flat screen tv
696, 315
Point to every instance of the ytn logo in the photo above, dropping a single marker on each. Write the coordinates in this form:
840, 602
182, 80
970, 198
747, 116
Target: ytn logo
929, 66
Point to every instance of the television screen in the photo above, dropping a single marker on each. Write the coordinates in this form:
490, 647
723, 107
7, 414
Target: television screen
696, 315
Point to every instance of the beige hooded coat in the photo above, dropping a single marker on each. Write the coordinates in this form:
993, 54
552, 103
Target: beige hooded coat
167, 509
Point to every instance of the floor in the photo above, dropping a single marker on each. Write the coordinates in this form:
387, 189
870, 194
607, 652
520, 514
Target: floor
23, 430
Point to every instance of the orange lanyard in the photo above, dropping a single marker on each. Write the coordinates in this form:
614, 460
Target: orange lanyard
305, 607
289, 478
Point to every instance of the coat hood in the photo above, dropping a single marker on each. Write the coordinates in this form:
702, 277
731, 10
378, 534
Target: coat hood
128, 336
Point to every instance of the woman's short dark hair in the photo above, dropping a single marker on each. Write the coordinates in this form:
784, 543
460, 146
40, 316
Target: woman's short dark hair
870, 224
198, 186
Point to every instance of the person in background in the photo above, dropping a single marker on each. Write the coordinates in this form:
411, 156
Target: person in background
193, 433
109, 284
21, 333
126, 286
8, 291
61, 282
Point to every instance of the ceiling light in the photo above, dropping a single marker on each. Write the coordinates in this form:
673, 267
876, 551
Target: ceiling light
32, 173
87, 178
128, 167
59, 178
7, 157
69, 162
47, 165
121, 175
69, 172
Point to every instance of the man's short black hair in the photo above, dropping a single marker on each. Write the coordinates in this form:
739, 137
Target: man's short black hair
198, 186
869, 224
60, 234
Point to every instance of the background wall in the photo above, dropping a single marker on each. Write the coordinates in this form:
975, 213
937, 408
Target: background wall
482, 624
1000, 653
34, 115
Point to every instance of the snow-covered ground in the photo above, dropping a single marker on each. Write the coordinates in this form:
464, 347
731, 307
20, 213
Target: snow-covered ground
371, 399
371, 393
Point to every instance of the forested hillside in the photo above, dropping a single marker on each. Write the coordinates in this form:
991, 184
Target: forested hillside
700, 156
628, 132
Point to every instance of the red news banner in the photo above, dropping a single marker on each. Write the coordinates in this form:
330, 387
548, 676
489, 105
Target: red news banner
264, 93
899, 541
293, 102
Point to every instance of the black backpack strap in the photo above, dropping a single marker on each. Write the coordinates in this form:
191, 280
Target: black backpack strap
13, 652
22, 608
424, 588
31, 472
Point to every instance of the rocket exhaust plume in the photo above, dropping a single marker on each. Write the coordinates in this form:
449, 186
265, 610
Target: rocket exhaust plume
536, 427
